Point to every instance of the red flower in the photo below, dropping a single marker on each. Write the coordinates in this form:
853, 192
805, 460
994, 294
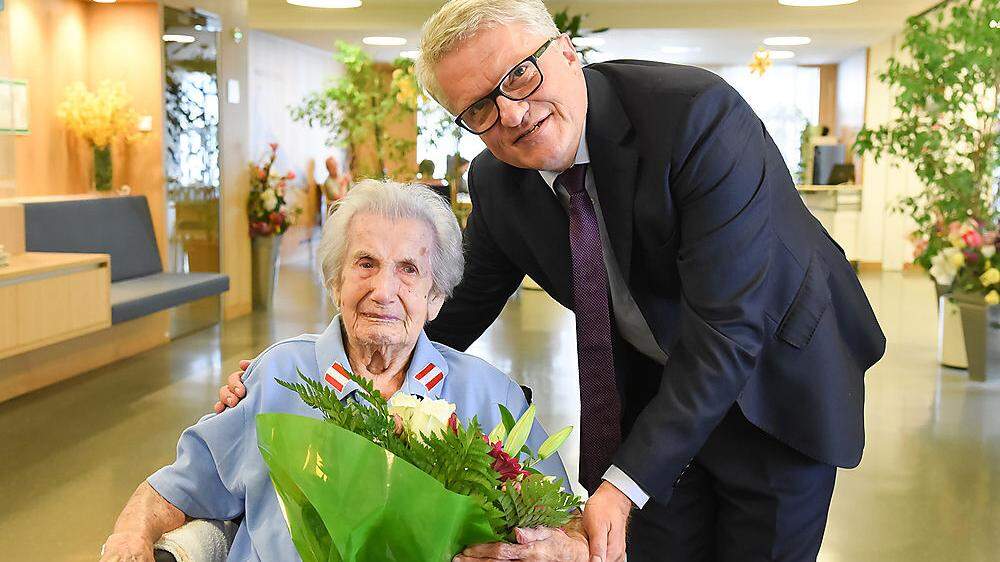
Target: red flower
508, 467
261, 174
274, 146
291, 175
973, 239
971, 257
453, 423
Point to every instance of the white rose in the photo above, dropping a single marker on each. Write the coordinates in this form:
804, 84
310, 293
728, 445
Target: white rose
988, 251
942, 269
270, 199
421, 417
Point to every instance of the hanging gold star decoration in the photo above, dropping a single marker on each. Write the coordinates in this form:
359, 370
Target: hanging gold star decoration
761, 62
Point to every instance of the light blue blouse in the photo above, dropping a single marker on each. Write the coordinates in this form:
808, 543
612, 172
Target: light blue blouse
219, 472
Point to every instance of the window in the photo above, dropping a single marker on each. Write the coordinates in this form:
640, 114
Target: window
785, 99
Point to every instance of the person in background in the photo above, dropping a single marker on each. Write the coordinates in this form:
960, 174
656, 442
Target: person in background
425, 176
336, 184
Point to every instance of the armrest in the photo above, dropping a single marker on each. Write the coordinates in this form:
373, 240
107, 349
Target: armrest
200, 540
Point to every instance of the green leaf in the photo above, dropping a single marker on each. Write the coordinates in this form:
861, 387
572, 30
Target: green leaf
554, 441
499, 433
519, 433
507, 417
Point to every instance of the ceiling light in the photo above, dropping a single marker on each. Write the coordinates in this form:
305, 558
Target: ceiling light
174, 38
588, 41
409, 54
787, 41
781, 55
815, 3
384, 41
325, 3
679, 50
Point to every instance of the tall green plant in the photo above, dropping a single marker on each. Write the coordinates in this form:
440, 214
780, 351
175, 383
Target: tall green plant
358, 107
947, 82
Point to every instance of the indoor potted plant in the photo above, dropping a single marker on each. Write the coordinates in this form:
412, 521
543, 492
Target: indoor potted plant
968, 266
100, 118
269, 215
358, 107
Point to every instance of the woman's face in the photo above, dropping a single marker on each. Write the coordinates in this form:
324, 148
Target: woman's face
386, 291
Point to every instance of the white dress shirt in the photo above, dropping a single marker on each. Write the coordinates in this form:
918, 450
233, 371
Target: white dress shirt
631, 324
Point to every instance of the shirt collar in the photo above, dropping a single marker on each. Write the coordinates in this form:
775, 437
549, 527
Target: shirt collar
582, 157
425, 376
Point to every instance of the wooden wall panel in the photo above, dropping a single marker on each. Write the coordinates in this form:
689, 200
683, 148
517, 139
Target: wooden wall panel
12, 228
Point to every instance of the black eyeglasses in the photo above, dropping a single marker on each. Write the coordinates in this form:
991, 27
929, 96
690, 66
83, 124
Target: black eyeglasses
519, 83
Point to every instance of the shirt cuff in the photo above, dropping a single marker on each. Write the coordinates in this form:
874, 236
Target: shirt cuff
626, 485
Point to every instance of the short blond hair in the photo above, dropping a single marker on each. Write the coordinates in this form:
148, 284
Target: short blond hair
458, 20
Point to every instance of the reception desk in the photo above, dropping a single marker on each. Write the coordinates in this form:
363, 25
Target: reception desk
838, 209
47, 298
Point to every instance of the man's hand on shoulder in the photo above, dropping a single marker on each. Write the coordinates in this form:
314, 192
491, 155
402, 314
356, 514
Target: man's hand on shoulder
233, 391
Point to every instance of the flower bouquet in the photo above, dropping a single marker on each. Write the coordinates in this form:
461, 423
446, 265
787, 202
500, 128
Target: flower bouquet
268, 211
404, 479
967, 259
100, 118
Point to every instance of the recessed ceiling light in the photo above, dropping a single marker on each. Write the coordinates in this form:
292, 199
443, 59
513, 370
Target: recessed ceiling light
815, 3
174, 38
679, 50
787, 41
409, 54
588, 41
384, 41
781, 55
325, 3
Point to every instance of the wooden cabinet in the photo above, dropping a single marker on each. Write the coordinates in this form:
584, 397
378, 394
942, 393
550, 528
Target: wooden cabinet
47, 298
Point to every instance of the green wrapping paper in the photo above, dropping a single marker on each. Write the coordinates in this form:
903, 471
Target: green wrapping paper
348, 500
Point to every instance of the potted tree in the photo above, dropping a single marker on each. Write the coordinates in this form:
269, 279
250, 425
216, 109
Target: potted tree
947, 79
358, 108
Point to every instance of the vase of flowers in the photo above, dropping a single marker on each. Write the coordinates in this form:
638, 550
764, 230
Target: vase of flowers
100, 118
270, 215
968, 264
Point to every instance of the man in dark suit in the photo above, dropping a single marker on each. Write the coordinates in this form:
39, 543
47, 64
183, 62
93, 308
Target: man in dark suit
735, 331
723, 337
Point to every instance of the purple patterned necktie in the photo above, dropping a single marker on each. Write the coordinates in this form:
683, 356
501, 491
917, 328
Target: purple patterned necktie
600, 431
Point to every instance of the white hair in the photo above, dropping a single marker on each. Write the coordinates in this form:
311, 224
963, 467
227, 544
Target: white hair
458, 20
394, 200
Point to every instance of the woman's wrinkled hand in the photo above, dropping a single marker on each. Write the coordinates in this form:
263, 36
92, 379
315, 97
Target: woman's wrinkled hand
540, 544
127, 547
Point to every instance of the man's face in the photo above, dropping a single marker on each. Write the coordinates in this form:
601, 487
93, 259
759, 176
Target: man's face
541, 132
385, 293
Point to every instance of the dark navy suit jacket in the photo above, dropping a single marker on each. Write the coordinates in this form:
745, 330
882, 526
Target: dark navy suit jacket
749, 296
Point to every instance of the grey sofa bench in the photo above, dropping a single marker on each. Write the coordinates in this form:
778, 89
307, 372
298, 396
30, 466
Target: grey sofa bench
123, 228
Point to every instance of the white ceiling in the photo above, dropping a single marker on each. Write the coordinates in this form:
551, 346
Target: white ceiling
724, 31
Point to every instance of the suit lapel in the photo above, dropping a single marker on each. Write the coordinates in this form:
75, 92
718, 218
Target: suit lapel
615, 163
545, 228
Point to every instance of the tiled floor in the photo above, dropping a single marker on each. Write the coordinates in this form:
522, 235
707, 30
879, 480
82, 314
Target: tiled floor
927, 490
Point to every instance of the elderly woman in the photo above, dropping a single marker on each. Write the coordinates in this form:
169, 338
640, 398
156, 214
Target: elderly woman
390, 254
